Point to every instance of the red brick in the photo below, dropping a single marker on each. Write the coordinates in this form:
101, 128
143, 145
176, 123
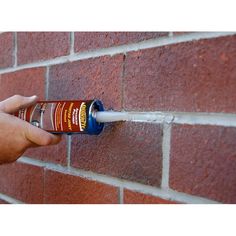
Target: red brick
203, 161
55, 154
93, 40
25, 82
23, 182
64, 189
197, 76
6, 50
131, 197
130, 151
38, 46
3, 202
88, 79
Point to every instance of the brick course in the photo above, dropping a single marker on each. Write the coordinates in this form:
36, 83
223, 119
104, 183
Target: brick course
197, 76
23, 182
85, 41
133, 197
38, 46
6, 50
130, 151
64, 188
203, 161
160, 74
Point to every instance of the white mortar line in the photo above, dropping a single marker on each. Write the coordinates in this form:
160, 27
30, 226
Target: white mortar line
9, 199
166, 155
151, 43
163, 193
15, 50
121, 195
72, 42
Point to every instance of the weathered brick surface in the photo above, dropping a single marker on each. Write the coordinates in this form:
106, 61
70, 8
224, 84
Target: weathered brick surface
93, 40
23, 182
194, 76
65, 189
6, 50
36, 46
55, 153
132, 197
25, 82
130, 151
92, 78
203, 161
197, 76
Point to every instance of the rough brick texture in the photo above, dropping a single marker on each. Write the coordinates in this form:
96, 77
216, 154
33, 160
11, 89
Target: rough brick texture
88, 79
6, 50
23, 182
25, 82
203, 161
39, 46
132, 197
85, 41
54, 154
197, 76
127, 71
125, 150
64, 189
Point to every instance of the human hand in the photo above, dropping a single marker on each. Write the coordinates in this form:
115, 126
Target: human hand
17, 135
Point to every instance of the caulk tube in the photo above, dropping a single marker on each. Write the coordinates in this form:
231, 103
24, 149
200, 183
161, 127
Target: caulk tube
59, 117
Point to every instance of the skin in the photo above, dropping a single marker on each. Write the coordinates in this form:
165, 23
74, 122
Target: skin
16, 135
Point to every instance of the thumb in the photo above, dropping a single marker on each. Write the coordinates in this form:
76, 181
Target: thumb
39, 136
17, 102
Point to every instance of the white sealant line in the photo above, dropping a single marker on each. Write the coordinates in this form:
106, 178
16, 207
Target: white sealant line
154, 191
10, 199
221, 119
151, 43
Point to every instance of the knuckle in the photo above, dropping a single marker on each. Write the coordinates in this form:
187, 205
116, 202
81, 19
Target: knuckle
17, 97
47, 140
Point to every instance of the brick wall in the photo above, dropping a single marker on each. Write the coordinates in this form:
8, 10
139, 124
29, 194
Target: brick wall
180, 87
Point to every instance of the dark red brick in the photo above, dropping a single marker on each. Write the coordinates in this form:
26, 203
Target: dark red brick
130, 151
197, 76
132, 197
93, 40
203, 161
55, 154
88, 79
23, 182
25, 82
64, 189
3, 202
6, 50
36, 46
